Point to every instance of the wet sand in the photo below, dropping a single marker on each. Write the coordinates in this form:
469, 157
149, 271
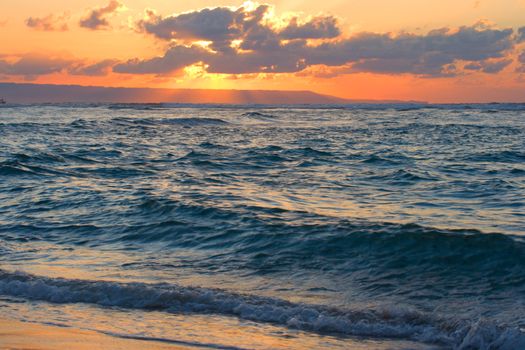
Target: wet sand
15, 335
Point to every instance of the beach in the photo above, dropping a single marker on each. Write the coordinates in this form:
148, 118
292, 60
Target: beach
17, 335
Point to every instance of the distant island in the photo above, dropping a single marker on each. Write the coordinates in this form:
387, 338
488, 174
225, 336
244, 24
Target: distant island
47, 93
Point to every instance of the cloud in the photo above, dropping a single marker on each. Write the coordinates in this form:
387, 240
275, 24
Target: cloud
216, 24
97, 17
521, 59
324, 72
250, 40
225, 24
316, 28
520, 38
246, 41
175, 59
98, 69
33, 65
48, 23
490, 66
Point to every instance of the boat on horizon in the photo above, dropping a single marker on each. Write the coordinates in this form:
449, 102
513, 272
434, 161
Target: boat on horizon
2, 101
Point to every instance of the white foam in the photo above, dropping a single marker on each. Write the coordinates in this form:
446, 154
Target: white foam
395, 323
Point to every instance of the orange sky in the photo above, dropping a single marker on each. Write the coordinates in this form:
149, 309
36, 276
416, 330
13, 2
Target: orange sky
376, 49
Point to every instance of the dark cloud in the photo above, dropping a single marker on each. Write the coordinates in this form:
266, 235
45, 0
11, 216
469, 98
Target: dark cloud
175, 58
520, 38
97, 17
31, 66
263, 49
431, 54
437, 47
242, 41
316, 28
48, 23
216, 24
521, 59
491, 67
98, 69
222, 25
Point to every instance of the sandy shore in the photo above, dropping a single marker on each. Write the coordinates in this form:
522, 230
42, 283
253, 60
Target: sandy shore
15, 335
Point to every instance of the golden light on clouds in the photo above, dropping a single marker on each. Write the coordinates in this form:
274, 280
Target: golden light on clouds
327, 47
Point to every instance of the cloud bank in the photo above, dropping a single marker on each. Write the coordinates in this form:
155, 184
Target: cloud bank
250, 40
31, 66
246, 40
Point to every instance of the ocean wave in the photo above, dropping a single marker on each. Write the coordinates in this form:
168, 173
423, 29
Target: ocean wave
136, 106
18, 168
259, 116
394, 105
309, 205
403, 177
14, 169
506, 156
38, 157
192, 121
180, 121
384, 160
387, 258
309, 152
393, 322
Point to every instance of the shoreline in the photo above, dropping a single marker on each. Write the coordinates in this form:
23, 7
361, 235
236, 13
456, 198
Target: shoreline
21, 335
17, 335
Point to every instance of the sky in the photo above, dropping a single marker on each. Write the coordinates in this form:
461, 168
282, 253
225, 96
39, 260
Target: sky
436, 51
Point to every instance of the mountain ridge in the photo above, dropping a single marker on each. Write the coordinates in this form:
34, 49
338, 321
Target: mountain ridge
59, 93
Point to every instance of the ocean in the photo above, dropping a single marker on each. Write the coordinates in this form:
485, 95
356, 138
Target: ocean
267, 227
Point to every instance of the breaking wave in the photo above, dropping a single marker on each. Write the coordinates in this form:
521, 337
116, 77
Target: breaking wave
393, 323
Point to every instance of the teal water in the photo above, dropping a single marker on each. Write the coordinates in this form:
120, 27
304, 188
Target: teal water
386, 223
